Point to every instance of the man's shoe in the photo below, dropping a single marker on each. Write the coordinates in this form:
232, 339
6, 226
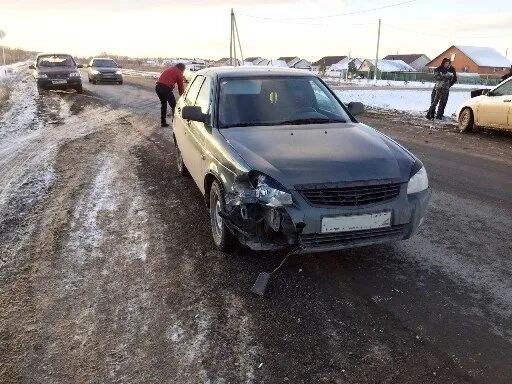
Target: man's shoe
165, 125
439, 117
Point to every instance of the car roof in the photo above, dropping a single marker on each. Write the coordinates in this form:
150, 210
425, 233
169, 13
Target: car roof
54, 54
102, 58
254, 71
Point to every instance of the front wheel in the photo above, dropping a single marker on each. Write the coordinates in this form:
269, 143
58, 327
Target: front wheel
222, 237
466, 120
182, 168
79, 89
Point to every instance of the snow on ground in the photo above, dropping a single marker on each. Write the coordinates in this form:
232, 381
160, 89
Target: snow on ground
12, 69
416, 101
133, 72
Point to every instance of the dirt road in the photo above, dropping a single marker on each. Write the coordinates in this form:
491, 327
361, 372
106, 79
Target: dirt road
108, 272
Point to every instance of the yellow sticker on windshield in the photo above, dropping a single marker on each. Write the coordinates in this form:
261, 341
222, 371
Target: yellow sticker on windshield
273, 97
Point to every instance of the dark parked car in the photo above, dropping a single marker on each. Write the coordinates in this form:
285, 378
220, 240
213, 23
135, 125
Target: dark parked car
283, 163
57, 71
104, 70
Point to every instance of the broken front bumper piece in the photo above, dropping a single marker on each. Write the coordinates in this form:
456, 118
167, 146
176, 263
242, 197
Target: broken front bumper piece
253, 213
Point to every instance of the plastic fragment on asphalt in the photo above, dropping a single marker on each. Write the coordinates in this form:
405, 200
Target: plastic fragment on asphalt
261, 365
260, 284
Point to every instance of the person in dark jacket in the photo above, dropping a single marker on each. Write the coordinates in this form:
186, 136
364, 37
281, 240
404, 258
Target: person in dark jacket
164, 89
507, 75
445, 77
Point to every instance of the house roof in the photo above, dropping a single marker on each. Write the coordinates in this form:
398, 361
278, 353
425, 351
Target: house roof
343, 64
287, 59
392, 66
407, 58
278, 63
253, 59
485, 56
329, 60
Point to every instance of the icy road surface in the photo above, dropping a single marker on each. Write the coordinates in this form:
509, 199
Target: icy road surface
108, 272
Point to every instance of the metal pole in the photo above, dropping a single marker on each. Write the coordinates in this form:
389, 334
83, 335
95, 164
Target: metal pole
348, 65
234, 42
238, 36
377, 54
3, 54
231, 40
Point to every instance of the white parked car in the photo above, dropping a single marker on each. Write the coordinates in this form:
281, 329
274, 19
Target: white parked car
490, 109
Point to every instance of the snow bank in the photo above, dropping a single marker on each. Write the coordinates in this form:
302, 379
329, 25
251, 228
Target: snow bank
12, 69
396, 84
416, 101
133, 72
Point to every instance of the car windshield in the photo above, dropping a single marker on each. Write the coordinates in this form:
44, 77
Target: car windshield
102, 63
277, 101
56, 61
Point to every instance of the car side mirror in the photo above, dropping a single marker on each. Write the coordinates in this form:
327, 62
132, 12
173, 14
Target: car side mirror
193, 113
119, 67
31, 66
355, 108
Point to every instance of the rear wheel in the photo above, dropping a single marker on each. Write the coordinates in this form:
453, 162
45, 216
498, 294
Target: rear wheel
466, 120
222, 237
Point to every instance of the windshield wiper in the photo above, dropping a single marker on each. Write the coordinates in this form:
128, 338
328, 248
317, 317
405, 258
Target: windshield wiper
315, 120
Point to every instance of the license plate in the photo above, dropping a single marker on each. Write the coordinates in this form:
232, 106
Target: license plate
356, 223
55, 82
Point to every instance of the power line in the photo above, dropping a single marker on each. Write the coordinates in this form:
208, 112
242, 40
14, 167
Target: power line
330, 16
444, 36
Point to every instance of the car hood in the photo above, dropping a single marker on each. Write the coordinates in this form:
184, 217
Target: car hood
105, 70
327, 153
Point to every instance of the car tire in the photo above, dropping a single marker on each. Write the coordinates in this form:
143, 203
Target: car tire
222, 237
79, 89
121, 82
466, 120
182, 168
40, 90
90, 81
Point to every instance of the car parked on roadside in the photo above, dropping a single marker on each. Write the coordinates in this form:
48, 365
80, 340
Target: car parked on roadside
56, 71
282, 163
487, 108
102, 70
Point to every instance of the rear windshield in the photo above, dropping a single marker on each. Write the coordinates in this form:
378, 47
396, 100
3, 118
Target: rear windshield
277, 101
102, 63
55, 61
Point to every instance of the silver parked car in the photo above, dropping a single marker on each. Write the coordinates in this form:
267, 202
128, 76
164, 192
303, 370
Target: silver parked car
283, 163
104, 70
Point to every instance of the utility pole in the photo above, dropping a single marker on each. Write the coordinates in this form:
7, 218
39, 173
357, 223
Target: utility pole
238, 36
231, 40
506, 53
348, 66
377, 54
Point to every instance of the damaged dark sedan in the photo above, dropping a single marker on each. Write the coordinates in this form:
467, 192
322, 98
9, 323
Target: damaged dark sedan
283, 163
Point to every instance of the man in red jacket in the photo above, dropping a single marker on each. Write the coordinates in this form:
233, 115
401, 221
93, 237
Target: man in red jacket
164, 88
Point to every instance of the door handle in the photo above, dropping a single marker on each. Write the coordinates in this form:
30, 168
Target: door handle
507, 101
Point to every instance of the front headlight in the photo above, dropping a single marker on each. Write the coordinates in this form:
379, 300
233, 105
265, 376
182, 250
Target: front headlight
95, 72
41, 76
119, 72
270, 192
74, 74
418, 182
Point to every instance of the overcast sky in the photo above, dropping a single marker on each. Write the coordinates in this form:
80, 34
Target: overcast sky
268, 28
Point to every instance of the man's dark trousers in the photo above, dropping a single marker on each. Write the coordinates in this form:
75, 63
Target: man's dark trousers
165, 95
440, 96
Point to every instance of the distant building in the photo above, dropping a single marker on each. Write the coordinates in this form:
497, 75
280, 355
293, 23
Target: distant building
389, 66
481, 60
296, 62
226, 61
327, 61
418, 61
340, 69
254, 60
278, 63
